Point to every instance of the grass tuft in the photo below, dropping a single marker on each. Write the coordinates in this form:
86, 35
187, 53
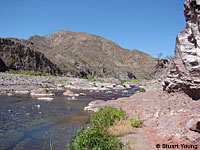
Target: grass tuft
137, 123
120, 128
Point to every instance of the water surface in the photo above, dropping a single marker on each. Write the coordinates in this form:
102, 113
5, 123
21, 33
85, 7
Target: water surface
29, 124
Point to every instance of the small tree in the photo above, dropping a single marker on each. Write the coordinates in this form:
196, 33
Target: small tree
159, 55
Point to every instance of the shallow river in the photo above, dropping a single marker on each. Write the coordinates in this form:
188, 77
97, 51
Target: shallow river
29, 124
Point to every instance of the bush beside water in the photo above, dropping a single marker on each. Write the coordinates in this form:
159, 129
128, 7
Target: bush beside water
97, 136
94, 138
106, 117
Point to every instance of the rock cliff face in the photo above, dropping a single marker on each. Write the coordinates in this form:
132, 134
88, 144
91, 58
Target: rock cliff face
82, 54
16, 56
186, 73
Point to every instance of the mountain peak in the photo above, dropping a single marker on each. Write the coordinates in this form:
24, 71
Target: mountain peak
85, 54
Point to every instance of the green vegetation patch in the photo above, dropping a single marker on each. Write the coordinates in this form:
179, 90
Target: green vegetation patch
137, 123
94, 139
84, 77
142, 90
28, 73
106, 116
97, 135
93, 79
124, 81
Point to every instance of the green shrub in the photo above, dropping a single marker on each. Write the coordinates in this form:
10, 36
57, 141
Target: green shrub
106, 116
142, 90
123, 81
94, 139
137, 123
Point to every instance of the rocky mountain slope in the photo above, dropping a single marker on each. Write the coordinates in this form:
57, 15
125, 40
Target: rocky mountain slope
16, 56
186, 72
82, 54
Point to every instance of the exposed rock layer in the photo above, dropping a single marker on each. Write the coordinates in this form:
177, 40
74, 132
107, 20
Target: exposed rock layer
186, 72
19, 57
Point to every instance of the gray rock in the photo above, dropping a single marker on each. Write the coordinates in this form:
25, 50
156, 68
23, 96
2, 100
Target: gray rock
3, 67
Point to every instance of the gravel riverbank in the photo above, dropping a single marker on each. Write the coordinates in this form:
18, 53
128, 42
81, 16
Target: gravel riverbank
12, 83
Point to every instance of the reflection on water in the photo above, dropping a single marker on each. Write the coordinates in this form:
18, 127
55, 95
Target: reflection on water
29, 124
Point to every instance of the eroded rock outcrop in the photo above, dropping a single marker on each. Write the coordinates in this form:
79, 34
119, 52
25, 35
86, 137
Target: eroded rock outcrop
16, 56
186, 73
163, 67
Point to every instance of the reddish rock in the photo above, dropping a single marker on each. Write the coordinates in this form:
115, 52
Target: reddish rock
41, 92
186, 72
165, 116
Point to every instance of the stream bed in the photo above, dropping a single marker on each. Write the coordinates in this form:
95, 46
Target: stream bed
30, 124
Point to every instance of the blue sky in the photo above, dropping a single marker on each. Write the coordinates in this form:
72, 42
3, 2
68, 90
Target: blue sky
149, 26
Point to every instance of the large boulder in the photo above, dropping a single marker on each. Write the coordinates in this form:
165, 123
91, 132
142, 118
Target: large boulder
186, 72
3, 67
